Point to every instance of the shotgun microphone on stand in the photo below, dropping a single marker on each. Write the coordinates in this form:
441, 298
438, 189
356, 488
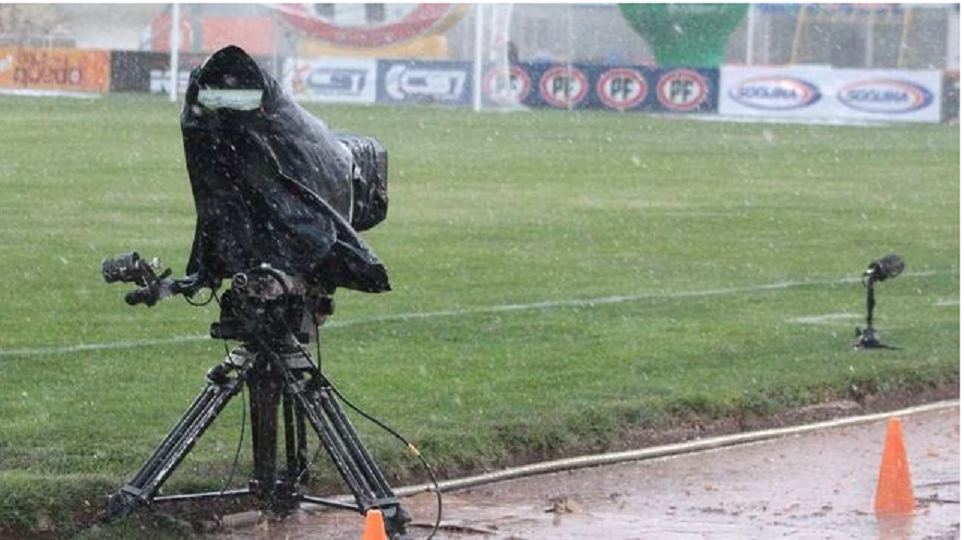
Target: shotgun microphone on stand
887, 267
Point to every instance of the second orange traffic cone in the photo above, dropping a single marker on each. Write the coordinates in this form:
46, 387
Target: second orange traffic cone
374, 526
895, 495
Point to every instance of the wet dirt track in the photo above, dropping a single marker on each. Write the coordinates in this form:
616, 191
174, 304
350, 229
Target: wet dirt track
819, 485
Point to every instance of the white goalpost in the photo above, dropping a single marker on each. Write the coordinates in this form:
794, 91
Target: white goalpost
495, 86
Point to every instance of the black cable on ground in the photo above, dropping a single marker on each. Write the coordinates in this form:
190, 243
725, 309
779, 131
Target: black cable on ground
411, 447
394, 433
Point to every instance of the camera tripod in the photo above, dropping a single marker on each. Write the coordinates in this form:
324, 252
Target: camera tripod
282, 379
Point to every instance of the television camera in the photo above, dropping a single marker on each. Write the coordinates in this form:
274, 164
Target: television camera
280, 200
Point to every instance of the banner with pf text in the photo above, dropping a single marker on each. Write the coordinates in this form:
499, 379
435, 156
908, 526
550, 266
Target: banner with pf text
42, 70
618, 88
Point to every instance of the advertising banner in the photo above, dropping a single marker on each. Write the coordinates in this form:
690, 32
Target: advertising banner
774, 92
825, 93
891, 95
685, 90
150, 72
619, 88
505, 85
334, 80
68, 71
439, 82
560, 86
143, 71
623, 88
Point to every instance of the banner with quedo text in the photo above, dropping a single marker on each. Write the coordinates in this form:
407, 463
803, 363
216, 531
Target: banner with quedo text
54, 71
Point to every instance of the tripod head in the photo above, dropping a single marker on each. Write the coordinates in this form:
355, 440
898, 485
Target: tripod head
269, 307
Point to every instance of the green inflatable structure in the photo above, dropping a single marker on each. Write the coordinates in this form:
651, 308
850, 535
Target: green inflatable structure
692, 35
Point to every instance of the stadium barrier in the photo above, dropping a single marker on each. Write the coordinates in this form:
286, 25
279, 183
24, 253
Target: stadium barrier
771, 92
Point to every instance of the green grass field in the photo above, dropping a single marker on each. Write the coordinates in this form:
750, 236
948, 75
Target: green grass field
559, 278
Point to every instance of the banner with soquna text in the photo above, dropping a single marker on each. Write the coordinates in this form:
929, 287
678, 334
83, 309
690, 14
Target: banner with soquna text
826, 93
54, 71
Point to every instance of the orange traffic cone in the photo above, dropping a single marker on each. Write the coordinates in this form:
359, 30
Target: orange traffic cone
374, 526
894, 492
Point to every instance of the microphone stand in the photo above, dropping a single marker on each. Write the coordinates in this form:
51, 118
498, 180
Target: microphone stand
868, 337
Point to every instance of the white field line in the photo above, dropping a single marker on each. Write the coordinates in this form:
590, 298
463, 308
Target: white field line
504, 308
829, 318
837, 318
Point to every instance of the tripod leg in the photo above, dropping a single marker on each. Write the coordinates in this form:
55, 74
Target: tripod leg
296, 442
313, 396
180, 440
275, 488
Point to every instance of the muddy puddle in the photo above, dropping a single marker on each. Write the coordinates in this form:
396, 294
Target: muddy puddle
815, 486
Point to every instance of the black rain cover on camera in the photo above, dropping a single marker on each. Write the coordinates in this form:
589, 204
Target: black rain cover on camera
271, 183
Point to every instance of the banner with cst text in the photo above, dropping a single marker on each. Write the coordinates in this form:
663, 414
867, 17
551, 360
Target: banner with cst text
30, 70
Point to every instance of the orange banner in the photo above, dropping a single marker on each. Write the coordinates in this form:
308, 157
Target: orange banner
63, 70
